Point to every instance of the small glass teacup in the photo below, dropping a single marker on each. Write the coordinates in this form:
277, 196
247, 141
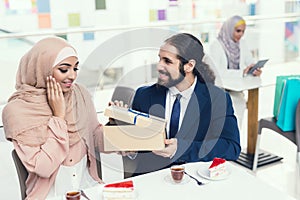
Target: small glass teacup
177, 173
73, 195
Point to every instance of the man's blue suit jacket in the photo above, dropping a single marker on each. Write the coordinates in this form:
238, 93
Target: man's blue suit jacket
209, 128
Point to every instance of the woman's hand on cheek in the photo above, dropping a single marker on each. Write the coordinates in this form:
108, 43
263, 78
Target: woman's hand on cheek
56, 98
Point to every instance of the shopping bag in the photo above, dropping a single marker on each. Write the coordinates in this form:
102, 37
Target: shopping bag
287, 105
278, 91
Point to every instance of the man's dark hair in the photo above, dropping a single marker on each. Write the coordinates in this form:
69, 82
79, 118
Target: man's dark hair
189, 47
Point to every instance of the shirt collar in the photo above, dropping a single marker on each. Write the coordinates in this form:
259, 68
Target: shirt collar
185, 93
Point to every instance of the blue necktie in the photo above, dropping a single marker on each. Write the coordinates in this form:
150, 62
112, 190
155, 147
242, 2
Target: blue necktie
174, 122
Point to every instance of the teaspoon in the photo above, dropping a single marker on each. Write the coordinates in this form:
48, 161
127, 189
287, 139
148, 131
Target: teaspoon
198, 182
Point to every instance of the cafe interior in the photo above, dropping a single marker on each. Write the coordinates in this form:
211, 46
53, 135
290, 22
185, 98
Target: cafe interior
117, 44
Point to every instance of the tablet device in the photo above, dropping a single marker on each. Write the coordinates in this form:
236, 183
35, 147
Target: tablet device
259, 64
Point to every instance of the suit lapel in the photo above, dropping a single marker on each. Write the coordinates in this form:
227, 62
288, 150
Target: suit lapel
158, 102
197, 102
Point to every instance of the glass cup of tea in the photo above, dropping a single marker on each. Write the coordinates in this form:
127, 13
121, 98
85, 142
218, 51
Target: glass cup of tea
177, 173
73, 195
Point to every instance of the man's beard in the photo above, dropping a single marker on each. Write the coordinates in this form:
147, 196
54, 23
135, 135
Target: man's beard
172, 82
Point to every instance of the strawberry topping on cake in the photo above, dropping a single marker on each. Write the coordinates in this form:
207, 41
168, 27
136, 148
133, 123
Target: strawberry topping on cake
217, 161
122, 190
217, 168
126, 184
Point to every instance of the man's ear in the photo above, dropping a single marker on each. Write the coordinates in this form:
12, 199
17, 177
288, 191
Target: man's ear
188, 67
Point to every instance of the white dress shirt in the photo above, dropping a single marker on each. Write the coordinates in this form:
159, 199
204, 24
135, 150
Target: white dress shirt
72, 178
170, 99
184, 100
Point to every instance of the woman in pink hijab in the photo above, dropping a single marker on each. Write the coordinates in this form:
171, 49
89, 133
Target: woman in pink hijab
52, 122
233, 59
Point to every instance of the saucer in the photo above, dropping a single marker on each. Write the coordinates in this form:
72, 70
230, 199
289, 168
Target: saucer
117, 195
169, 179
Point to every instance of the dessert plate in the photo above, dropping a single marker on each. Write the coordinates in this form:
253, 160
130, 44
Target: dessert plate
204, 172
119, 196
168, 178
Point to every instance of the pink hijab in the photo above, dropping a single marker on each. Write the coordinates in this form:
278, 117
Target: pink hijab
231, 48
25, 117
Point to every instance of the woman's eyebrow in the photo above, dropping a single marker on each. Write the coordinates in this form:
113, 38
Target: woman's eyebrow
67, 64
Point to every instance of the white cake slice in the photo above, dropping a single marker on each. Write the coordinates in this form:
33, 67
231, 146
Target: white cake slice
217, 168
119, 191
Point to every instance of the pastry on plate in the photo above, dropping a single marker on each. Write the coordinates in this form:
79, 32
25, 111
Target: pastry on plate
217, 168
119, 191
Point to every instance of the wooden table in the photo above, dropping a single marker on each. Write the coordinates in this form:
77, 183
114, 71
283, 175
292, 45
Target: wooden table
252, 85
